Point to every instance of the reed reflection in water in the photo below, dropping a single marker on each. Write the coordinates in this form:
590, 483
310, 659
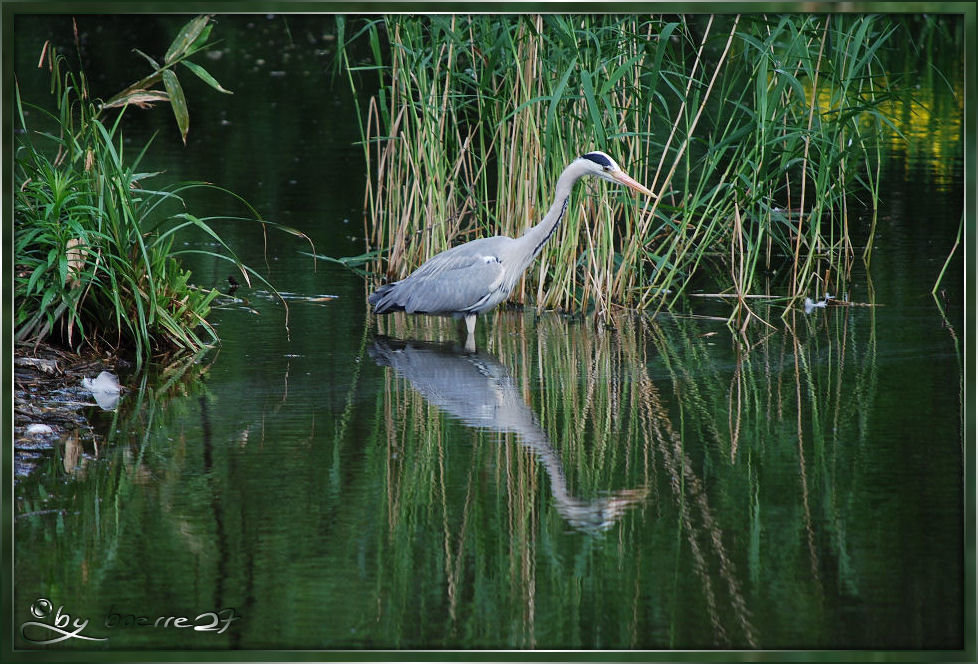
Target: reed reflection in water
760, 457
603, 422
771, 490
477, 389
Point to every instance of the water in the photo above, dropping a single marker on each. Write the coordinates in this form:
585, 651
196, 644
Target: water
345, 482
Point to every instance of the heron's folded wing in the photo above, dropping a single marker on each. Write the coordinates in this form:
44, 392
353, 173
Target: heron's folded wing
458, 283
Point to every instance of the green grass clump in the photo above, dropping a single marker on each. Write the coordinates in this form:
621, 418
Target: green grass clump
757, 132
93, 244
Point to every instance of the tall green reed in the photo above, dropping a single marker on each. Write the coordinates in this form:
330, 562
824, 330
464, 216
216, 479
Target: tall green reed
757, 132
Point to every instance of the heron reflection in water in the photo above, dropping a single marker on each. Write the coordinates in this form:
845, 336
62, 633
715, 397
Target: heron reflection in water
477, 389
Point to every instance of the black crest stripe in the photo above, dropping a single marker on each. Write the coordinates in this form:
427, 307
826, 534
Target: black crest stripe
598, 159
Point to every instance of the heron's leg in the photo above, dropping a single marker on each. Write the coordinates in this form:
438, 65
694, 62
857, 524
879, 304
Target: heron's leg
470, 337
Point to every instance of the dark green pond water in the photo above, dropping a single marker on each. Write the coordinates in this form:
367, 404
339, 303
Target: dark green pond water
360, 484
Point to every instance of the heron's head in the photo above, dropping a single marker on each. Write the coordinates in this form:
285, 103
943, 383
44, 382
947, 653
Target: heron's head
603, 166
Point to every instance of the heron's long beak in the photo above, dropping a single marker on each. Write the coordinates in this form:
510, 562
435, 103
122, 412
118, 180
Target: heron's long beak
621, 178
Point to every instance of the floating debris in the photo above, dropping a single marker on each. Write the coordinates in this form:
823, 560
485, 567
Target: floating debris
38, 429
299, 297
46, 365
811, 305
231, 301
105, 388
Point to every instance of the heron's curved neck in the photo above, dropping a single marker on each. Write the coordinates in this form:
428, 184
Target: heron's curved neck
538, 235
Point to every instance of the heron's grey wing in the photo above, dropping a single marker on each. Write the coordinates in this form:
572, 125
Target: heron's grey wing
451, 282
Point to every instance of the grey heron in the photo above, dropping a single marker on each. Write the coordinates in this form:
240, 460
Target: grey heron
474, 277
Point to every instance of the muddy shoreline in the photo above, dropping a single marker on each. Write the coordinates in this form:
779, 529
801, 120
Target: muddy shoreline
52, 408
